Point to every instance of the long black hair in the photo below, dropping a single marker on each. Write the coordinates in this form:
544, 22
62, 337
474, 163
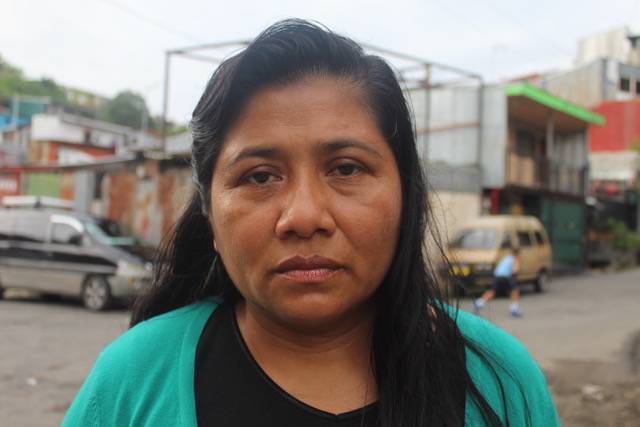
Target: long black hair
418, 353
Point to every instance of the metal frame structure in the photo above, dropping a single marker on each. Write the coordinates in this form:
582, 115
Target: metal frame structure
414, 72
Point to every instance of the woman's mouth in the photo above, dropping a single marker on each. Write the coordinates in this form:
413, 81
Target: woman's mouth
313, 269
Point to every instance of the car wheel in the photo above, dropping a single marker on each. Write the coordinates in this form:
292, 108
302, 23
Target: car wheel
542, 282
96, 293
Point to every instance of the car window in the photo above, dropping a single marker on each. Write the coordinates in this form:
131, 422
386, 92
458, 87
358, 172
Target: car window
506, 240
30, 228
539, 238
114, 234
524, 238
475, 239
65, 234
6, 222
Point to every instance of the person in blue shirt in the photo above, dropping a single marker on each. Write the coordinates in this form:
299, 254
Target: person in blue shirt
504, 276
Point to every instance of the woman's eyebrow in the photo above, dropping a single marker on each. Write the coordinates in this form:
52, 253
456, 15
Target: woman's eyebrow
340, 145
245, 153
326, 147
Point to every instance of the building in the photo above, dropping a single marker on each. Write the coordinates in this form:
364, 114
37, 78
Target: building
486, 149
606, 79
615, 160
510, 149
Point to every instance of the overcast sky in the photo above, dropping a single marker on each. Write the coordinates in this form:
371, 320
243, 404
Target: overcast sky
106, 46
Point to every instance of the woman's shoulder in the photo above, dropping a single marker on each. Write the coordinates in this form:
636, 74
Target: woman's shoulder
488, 336
504, 371
150, 363
154, 344
162, 331
487, 343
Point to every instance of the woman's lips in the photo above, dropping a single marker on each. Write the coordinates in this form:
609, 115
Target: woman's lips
310, 270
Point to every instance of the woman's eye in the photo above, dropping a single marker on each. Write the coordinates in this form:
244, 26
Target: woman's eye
260, 177
346, 169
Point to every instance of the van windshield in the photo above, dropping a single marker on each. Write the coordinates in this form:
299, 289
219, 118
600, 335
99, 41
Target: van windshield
477, 238
114, 234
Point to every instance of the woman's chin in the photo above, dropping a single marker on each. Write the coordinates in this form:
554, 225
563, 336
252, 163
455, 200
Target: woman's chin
320, 315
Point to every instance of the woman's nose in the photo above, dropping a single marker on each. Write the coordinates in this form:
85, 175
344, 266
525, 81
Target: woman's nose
305, 210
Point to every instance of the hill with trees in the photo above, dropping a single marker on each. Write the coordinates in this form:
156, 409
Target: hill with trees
127, 108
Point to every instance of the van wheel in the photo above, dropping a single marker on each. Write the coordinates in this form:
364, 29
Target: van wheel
96, 293
541, 284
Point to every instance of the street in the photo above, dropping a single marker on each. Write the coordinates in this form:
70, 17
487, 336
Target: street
588, 317
47, 350
582, 331
585, 334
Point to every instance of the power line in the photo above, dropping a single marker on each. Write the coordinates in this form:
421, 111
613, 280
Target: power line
497, 40
540, 36
141, 17
466, 21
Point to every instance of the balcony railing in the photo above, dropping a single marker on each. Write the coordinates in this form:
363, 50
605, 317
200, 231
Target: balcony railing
545, 174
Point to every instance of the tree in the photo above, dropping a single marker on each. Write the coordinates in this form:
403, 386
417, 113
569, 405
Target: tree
13, 82
127, 108
11, 79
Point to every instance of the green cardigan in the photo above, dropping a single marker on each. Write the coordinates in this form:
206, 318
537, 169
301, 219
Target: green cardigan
146, 376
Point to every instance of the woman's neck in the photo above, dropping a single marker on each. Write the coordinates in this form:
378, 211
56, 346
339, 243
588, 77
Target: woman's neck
328, 367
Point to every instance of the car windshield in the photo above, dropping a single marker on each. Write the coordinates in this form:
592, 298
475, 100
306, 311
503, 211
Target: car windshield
114, 234
477, 238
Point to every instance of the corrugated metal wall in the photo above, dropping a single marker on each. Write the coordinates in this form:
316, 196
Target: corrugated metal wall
148, 201
448, 124
621, 130
145, 199
120, 194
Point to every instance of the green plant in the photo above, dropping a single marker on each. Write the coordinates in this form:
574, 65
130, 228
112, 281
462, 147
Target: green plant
623, 238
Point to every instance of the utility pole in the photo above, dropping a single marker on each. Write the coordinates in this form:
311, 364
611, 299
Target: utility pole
165, 99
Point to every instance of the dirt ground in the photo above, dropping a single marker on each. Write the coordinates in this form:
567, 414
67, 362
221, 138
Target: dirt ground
593, 393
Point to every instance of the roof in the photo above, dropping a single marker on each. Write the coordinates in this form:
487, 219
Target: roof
534, 105
99, 163
493, 221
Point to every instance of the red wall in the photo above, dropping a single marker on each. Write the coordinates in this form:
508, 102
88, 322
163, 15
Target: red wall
621, 129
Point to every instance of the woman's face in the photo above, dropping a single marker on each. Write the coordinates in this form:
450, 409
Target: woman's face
305, 203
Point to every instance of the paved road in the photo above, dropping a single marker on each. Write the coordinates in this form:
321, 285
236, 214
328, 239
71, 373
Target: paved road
48, 348
595, 316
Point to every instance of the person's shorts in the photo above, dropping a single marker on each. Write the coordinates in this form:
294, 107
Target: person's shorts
503, 284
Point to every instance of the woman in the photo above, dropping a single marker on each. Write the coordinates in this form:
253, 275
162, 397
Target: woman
294, 289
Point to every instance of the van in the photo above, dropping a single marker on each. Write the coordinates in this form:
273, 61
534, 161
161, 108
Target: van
46, 247
481, 243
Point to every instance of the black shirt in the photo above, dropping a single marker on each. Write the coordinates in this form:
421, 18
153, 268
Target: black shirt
232, 390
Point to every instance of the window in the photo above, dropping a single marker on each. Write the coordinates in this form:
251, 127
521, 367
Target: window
30, 228
625, 84
506, 240
475, 239
5, 227
524, 238
539, 238
114, 234
64, 234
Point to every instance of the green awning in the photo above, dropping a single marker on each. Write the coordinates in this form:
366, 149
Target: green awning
551, 101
